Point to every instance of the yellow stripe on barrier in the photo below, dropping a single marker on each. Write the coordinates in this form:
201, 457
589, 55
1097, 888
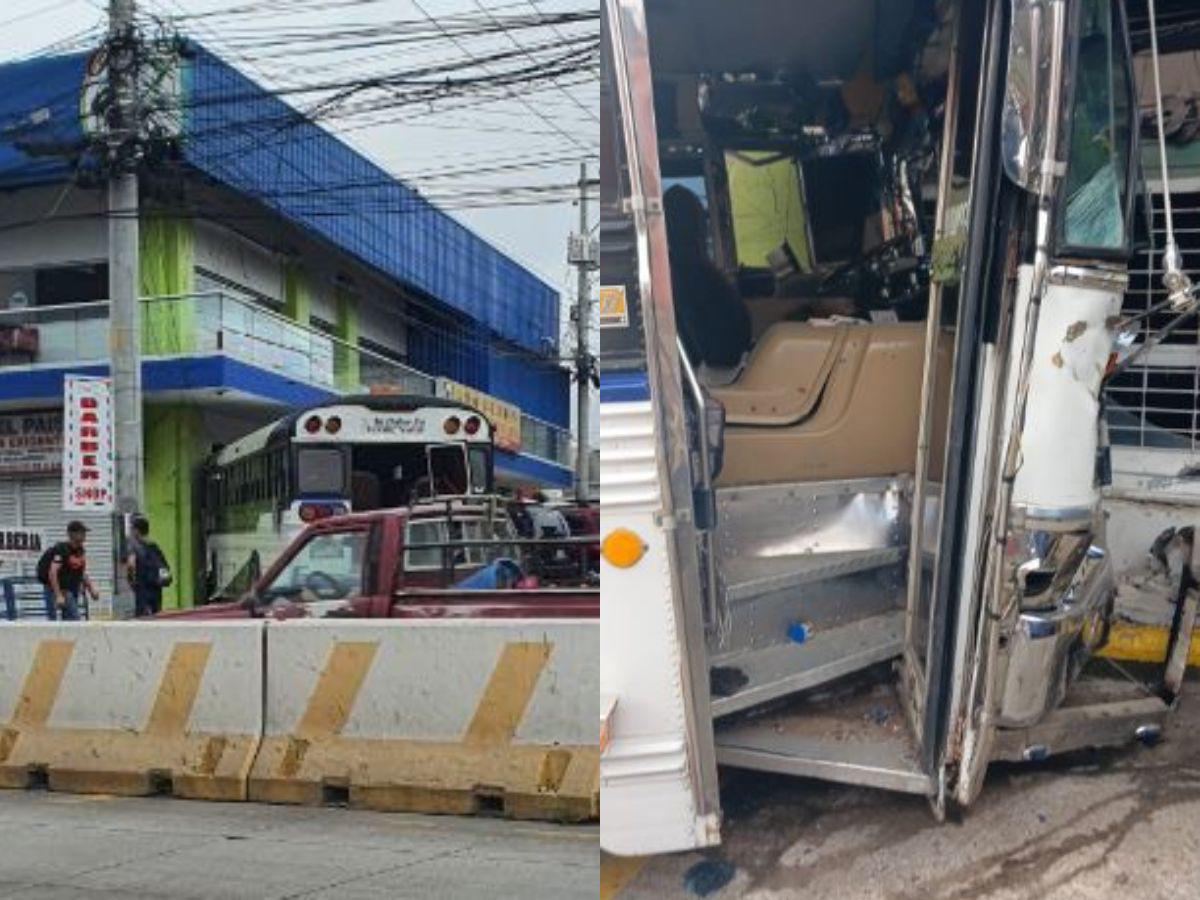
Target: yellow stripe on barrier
177, 690
341, 679
1144, 643
507, 694
38, 694
42, 684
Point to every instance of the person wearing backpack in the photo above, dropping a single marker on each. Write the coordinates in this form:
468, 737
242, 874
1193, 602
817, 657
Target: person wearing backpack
62, 570
147, 569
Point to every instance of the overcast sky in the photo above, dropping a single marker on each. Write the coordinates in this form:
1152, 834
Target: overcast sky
559, 123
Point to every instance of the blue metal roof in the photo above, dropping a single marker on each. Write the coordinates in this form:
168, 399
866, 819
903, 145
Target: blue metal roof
40, 129
246, 138
249, 139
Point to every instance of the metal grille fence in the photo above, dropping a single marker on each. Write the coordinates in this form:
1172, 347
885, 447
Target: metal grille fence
1156, 402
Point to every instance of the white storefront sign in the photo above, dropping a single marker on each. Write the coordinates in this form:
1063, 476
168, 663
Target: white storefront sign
88, 479
22, 544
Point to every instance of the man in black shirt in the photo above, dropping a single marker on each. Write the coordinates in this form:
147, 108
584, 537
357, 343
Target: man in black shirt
146, 568
67, 576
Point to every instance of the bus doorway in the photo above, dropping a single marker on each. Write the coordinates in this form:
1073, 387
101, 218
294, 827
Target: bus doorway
383, 477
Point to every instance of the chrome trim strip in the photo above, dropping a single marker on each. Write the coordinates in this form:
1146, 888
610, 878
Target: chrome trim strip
1101, 279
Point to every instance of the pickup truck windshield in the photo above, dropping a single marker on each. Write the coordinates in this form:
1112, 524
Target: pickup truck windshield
328, 567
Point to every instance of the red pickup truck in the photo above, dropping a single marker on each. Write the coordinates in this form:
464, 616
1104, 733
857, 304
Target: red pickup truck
440, 560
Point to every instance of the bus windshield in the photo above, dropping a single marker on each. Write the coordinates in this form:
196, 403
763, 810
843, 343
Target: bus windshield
320, 470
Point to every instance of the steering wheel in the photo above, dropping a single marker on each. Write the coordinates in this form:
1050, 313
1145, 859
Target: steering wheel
882, 277
325, 586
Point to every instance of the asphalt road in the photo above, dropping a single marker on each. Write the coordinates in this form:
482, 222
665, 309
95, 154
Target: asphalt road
76, 847
1116, 824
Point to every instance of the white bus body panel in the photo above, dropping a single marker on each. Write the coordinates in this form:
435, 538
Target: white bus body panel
1057, 475
646, 778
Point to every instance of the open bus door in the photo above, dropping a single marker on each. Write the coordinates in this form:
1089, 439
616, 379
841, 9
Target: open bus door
659, 778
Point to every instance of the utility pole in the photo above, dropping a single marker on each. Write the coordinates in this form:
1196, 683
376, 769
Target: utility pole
583, 257
125, 320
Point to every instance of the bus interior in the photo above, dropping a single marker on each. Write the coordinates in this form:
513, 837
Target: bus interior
803, 173
386, 476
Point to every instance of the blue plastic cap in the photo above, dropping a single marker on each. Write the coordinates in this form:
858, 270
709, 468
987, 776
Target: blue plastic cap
798, 632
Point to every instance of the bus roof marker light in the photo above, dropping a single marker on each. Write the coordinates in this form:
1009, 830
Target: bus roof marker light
472, 425
333, 424
451, 425
623, 549
312, 424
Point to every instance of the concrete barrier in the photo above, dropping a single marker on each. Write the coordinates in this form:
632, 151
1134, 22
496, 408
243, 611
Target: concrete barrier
434, 717
128, 708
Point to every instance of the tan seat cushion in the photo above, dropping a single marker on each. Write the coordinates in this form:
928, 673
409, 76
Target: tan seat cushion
784, 375
861, 422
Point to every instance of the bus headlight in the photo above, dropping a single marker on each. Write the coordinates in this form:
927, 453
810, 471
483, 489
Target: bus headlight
622, 548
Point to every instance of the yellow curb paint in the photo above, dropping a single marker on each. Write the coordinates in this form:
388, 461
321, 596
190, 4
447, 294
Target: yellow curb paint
1144, 643
332, 701
40, 690
507, 694
178, 689
617, 872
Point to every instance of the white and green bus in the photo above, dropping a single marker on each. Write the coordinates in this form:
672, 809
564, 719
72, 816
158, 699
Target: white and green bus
353, 455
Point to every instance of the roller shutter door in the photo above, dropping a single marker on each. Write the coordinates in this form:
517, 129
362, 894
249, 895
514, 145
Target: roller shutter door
38, 504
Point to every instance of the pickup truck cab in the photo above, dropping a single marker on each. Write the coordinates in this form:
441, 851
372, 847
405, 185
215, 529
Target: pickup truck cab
449, 559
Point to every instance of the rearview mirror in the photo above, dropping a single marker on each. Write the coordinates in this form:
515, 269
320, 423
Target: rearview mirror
1027, 86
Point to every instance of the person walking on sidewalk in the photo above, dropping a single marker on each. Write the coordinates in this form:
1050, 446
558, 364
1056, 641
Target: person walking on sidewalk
147, 569
62, 570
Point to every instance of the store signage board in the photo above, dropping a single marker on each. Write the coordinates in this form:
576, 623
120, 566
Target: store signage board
88, 465
22, 544
31, 443
505, 417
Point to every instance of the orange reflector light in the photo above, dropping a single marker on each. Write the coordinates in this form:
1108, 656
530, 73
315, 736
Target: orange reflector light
451, 425
622, 548
333, 424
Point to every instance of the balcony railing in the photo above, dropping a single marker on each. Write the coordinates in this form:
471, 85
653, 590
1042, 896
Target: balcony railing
215, 323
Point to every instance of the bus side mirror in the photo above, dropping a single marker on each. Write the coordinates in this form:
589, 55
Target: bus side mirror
1031, 52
